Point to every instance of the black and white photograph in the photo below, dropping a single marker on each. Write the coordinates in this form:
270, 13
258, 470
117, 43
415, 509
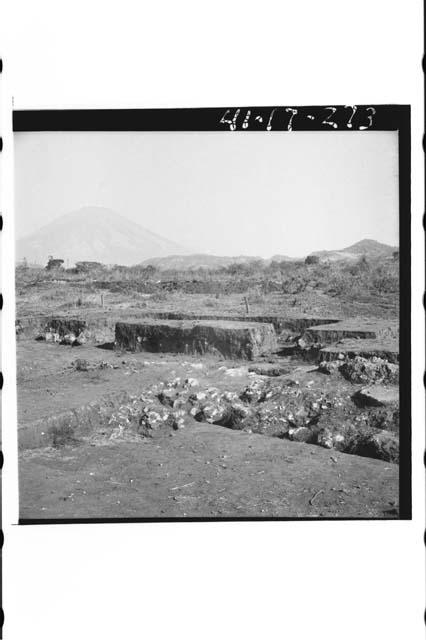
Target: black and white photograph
212, 320
208, 321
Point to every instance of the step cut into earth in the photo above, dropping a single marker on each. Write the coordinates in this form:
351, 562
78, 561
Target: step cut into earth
243, 340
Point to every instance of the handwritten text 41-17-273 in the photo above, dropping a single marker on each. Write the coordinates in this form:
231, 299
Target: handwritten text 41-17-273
290, 119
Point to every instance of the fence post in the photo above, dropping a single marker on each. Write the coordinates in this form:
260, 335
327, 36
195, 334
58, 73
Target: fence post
247, 305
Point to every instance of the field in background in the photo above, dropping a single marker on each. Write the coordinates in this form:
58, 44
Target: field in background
367, 287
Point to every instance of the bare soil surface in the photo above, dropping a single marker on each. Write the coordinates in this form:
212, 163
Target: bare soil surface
204, 471
89, 448
200, 470
61, 298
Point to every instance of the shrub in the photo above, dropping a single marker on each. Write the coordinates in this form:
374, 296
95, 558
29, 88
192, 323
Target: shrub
159, 296
54, 263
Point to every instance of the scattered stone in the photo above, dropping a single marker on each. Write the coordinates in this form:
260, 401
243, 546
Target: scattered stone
273, 370
385, 446
329, 367
253, 392
266, 420
230, 396
192, 382
52, 337
168, 396
211, 412
386, 418
69, 339
325, 439
81, 338
270, 406
300, 434
153, 417
81, 365
236, 372
178, 418
361, 370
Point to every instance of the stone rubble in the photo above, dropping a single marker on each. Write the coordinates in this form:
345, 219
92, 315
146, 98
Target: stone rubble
279, 408
361, 370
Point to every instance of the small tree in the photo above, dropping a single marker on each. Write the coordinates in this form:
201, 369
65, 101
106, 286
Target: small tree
54, 263
149, 270
312, 260
363, 263
85, 266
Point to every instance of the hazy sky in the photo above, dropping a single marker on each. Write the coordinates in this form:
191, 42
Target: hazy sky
253, 193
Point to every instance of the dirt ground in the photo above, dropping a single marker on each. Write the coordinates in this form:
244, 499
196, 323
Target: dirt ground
201, 470
61, 298
204, 471
82, 457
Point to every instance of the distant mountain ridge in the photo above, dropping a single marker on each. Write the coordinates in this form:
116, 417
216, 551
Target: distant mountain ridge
97, 234
367, 247
195, 261
281, 258
199, 261
101, 235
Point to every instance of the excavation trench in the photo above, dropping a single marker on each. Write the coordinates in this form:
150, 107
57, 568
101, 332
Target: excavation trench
278, 408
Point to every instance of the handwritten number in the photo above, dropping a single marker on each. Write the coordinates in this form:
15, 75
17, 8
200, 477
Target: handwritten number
231, 116
232, 123
290, 122
246, 119
370, 118
349, 122
269, 125
327, 119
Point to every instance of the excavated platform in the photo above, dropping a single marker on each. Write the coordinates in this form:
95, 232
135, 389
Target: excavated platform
227, 339
367, 348
60, 324
64, 325
100, 324
296, 323
326, 334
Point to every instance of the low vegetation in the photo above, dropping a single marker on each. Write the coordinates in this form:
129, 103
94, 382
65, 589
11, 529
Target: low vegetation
375, 276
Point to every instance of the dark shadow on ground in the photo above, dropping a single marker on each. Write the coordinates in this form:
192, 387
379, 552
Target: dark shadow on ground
106, 345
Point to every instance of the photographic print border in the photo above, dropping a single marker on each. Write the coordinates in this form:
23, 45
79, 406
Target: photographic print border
287, 119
